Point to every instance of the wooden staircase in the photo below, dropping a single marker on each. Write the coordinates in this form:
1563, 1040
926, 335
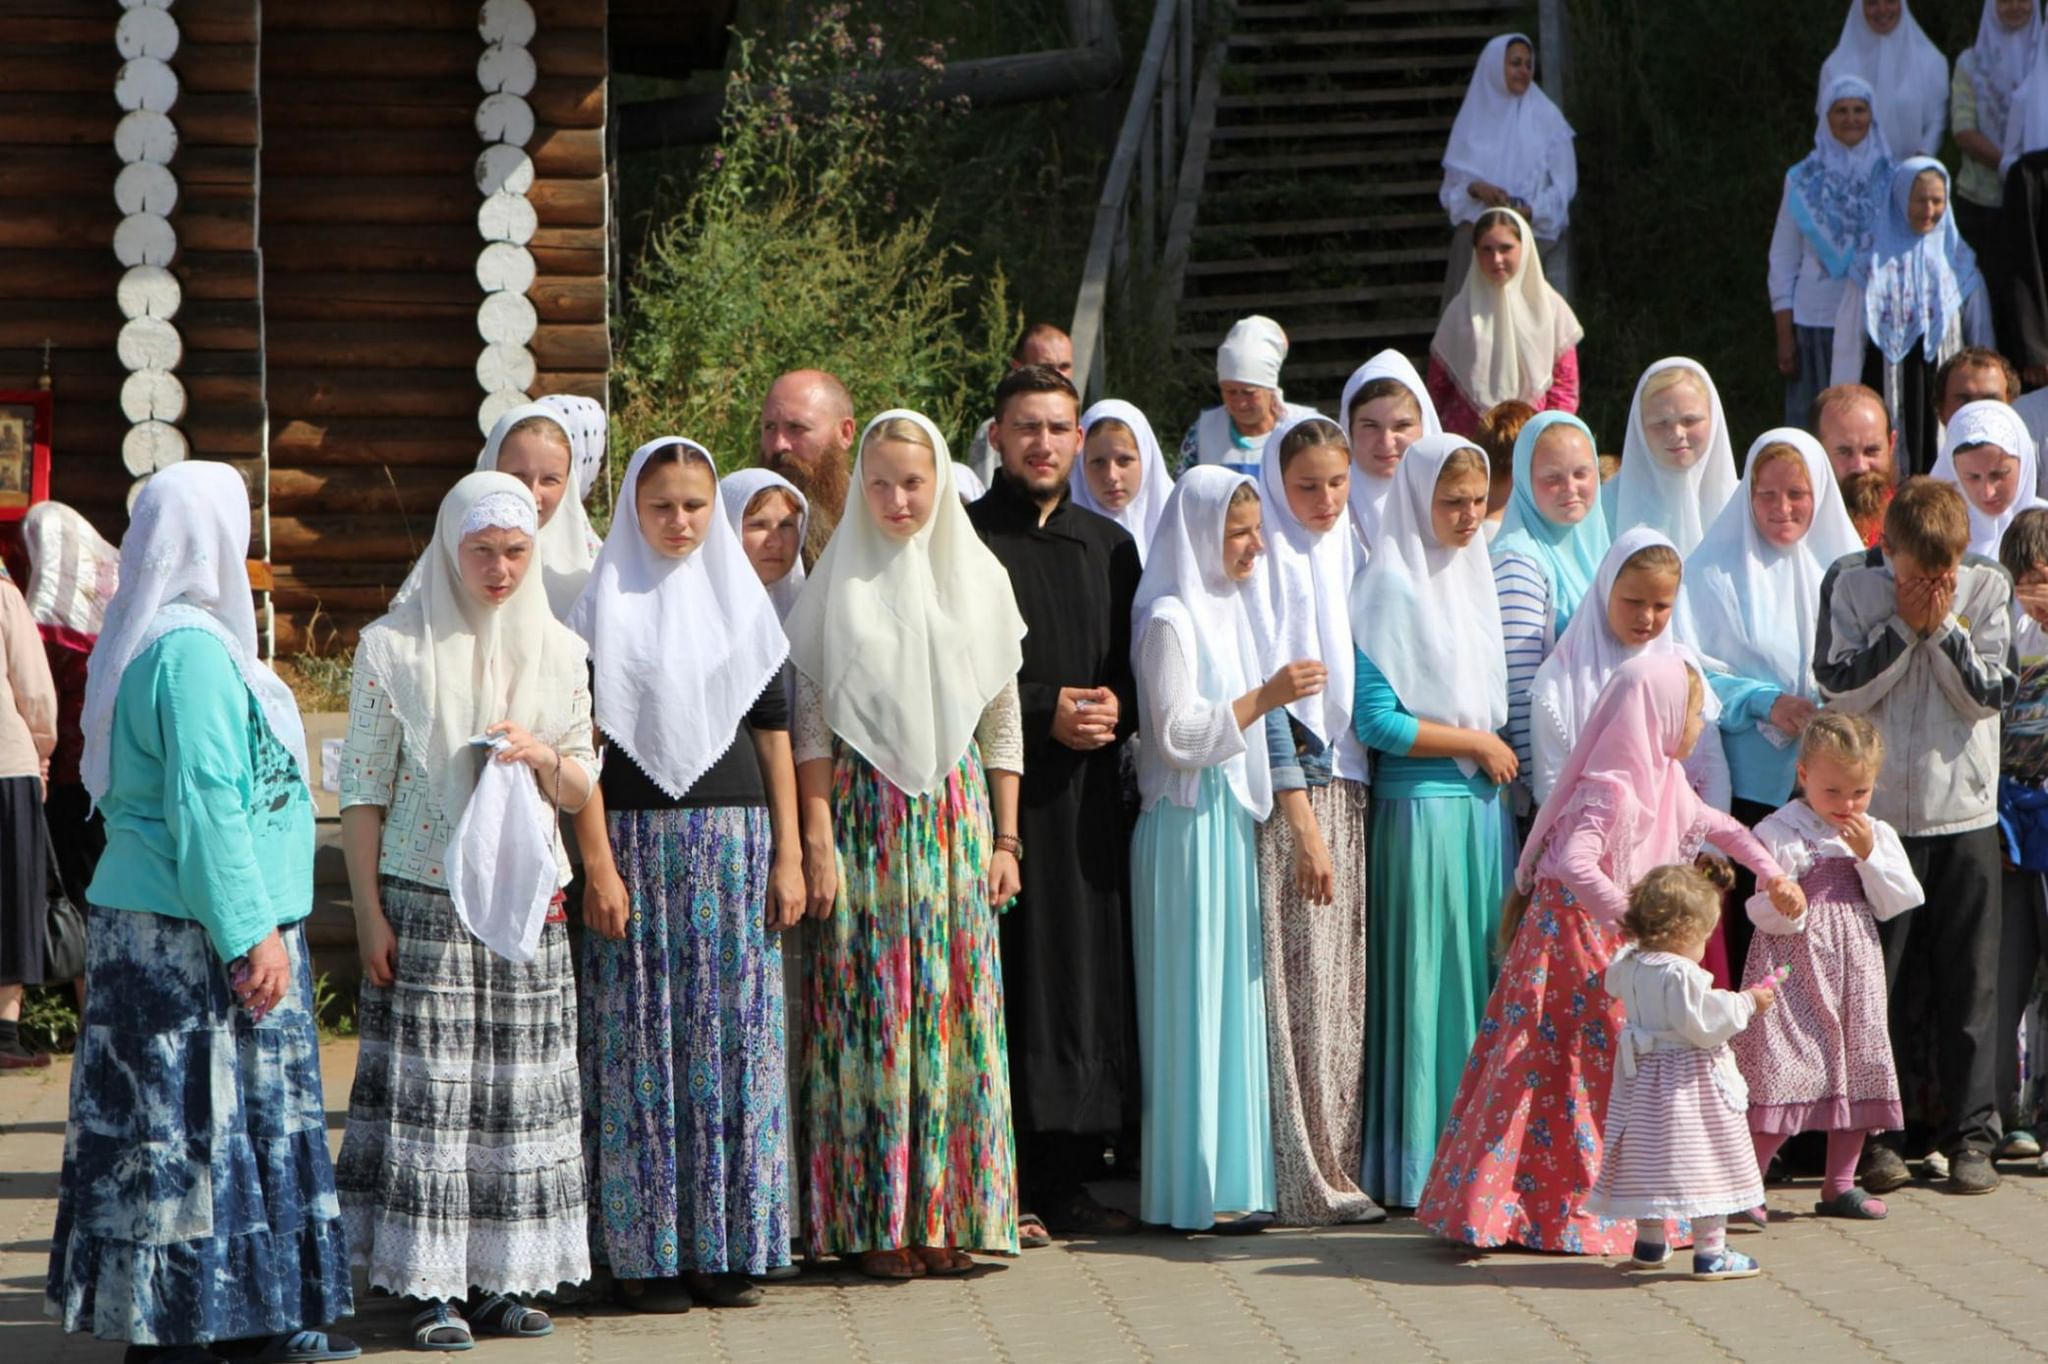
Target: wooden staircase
1318, 202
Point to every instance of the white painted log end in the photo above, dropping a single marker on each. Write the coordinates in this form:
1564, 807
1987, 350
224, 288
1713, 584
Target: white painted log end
503, 169
507, 21
145, 239
149, 343
145, 187
503, 267
149, 291
146, 83
152, 395
152, 445
506, 319
505, 118
146, 32
507, 218
509, 69
495, 406
503, 368
146, 135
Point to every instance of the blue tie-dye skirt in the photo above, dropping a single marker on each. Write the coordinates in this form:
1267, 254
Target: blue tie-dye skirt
197, 1201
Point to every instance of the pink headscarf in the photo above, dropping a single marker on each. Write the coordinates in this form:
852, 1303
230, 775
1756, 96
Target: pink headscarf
1624, 758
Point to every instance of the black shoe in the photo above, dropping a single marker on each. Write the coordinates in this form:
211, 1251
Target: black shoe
1884, 1170
1971, 1172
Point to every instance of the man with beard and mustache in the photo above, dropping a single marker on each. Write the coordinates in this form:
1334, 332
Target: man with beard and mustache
807, 433
1853, 426
1066, 946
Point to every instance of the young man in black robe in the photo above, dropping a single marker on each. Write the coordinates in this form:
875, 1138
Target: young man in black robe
1066, 944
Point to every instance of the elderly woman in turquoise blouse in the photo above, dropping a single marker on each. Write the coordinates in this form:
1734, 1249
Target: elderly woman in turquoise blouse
196, 1214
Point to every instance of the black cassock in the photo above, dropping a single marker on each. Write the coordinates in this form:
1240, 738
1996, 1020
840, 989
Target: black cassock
1066, 944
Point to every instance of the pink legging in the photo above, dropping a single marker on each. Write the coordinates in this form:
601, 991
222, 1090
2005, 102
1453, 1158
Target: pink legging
1844, 1150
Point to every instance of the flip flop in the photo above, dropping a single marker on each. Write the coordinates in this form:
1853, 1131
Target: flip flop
304, 1347
1031, 1233
1854, 1204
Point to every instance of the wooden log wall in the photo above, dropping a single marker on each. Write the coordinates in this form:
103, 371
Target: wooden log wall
371, 293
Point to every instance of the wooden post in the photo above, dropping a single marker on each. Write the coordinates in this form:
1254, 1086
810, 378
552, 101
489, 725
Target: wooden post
1550, 32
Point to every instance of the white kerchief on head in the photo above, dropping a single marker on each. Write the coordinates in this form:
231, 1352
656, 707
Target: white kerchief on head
1990, 422
184, 563
1750, 608
1368, 494
1904, 67
583, 418
1833, 193
72, 570
1252, 353
1502, 341
680, 648
566, 546
1679, 503
2001, 60
1501, 138
1141, 515
737, 491
1428, 616
2026, 121
1915, 283
1300, 596
1185, 586
909, 640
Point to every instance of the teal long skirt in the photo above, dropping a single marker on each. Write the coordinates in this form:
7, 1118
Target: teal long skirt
1439, 869
1208, 1133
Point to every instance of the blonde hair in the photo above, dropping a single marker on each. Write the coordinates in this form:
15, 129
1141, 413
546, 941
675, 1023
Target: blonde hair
1851, 740
1778, 452
900, 429
1246, 492
1653, 559
1466, 459
1670, 908
754, 502
547, 428
1671, 377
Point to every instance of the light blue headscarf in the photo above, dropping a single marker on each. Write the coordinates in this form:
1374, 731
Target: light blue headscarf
1914, 283
1569, 555
1833, 195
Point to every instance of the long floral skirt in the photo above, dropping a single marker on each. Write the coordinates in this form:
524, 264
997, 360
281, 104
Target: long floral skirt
906, 1072
685, 1117
1521, 1151
197, 1200
1315, 1012
462, 1164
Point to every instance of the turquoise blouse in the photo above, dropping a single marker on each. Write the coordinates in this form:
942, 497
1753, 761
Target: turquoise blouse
1758, 770
207, 817
1388, 728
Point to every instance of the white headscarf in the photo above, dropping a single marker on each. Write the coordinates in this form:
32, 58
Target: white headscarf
1252, 353
1904, 67
1569, 682
184, 563
1300, 597
453, 665
737, 491
72, 570
1648, 492
1141, 515
1369, 495
909, 640
1502, 341
1501, 138
967, 484
566, 546
1834, 192
583, 418
1185, 585
681, 648
2000, 61
1427, 616
2026, 120
1750, 608
1990, 422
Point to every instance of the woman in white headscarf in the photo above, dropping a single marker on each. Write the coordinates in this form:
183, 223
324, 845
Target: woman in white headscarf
1988, 75
1884, 44
532, 443
1312, 860
196, 1205
1204, 785
589, 443
1385, 409
1121, 473
1825, 221
693, 868
1749, 609
1991, 458
1506, 334
1677, 462
1432, 699
469, 732
1248, 378
909, 742
1510, 147
771, 517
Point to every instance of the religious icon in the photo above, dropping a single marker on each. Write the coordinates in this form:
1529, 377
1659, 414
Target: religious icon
24, 452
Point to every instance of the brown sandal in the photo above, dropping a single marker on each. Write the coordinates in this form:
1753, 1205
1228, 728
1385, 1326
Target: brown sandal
892, 1265
944, 1262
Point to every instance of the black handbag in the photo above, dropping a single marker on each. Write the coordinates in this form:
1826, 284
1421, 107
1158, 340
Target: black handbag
64, 936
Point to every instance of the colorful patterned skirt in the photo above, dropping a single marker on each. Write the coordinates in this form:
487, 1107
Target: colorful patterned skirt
685, 1116
906, 1072
462, 1164
1315, 1012
197, 1200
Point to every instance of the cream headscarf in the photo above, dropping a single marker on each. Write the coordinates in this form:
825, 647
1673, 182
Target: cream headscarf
453, 665
1502, 341
184, 563
72, 571
566, 546
909, 640
737, 491
1680, 503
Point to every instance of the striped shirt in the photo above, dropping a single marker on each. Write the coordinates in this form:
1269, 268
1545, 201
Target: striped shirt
1527, 629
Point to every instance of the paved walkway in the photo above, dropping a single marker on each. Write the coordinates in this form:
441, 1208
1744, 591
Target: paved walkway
1943, 1279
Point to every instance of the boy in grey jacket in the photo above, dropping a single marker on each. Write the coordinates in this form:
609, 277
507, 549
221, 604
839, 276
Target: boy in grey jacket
1917, 636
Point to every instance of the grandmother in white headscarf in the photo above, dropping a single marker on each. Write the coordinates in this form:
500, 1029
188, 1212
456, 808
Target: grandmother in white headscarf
1883, 43
1510, 147
1234, 433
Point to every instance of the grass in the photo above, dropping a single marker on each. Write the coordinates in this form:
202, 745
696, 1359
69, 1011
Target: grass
49, 1017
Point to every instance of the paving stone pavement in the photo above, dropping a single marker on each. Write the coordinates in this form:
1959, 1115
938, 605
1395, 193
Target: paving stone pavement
1943, 1279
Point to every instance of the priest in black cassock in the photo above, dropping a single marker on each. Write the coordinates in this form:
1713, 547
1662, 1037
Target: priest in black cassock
1067, 983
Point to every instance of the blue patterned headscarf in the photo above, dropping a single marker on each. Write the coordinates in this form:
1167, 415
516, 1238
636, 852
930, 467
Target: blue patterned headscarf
1569, 555
1914, 283
1833, 194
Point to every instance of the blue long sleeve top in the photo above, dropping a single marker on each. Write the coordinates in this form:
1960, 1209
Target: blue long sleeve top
1758, 769
1388, 728
207, 816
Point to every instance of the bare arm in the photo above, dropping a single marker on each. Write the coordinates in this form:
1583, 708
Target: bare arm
786, 878
362, 837
814, 811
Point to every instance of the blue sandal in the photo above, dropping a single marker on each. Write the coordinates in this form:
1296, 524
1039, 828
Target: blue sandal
497, 1315
440, 1327
304, 1347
